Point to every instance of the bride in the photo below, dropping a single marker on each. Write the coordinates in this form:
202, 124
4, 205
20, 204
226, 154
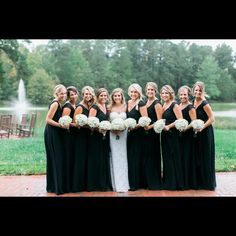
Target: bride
118, 160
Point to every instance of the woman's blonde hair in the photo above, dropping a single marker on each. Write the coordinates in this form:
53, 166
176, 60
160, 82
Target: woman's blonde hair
201, 85
152, 84
185, 87
170, 90
117, 90
91, 90
58, 88
138, 88
99, 91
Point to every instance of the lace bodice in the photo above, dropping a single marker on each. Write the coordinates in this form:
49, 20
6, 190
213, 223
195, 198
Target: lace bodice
114, 115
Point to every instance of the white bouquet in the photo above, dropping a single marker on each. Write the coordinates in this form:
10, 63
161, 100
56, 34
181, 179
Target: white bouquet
65, 121
144, 121
181, 124
118, 124
93, 122
130, 123
197, 124
159, 125
81, 119
104, 126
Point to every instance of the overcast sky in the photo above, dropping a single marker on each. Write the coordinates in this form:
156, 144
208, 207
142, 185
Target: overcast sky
210, 42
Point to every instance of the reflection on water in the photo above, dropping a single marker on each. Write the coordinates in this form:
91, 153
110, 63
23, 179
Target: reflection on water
231, 113
28, 108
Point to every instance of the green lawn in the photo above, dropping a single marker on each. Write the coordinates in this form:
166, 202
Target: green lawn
27, 155
225, 144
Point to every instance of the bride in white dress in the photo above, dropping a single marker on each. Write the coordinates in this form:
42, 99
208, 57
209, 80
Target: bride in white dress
118, 160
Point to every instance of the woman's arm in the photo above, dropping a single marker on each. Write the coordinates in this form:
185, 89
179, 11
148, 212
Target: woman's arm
51, 113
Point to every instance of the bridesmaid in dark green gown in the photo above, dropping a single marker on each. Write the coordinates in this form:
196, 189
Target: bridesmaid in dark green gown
99, 176
69, 135
187, 140
205, 143
136, 140
172, 165
152, 143
54, 144
79, 171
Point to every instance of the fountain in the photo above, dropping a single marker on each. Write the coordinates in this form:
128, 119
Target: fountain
21, 106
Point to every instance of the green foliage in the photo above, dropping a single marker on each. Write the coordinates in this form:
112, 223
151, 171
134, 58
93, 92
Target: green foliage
209, 74
40, 87
119, 63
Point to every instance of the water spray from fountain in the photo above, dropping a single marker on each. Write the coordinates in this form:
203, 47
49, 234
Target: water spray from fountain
21, 106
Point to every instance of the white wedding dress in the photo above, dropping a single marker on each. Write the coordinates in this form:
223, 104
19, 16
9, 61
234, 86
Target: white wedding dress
118, 160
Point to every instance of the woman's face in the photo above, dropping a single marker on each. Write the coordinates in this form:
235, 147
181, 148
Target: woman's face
151, 92
117, 97
183, 95
102, 98
73, 97
197, 92
165, 95
87, 96
62, 95
134, 94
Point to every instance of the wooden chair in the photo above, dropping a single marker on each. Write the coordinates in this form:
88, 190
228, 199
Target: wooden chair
5, 125
22, 123
28, 130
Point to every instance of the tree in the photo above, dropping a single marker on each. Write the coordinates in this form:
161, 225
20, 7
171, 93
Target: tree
209, 74
40, 87
223, 55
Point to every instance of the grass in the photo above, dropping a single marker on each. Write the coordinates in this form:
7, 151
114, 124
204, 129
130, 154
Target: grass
225, 123
225, 145
23, 156
27, 156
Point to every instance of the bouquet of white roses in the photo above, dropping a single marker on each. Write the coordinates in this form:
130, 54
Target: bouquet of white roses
181, 124
130, 123
104, 126
93, 122
118, 124
144, 121
159, 125
65, 121
81, 119
197, 124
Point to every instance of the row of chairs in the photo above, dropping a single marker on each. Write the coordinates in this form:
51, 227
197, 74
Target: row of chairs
22, 129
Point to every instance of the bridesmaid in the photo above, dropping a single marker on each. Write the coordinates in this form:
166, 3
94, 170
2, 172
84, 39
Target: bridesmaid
119, 163
205, 143
187, 140
136, 139
172, 165
99, 178
54, 145
152, 142
79, 171
69, 135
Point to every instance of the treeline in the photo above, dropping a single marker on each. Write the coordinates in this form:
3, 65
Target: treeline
114, 63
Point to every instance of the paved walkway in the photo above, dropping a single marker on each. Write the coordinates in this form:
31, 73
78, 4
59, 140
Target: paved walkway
35, 185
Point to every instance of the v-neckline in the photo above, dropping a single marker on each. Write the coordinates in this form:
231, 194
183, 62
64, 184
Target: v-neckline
102, 110
151, 103
167, 107
131, 109
199, 104
84, 106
